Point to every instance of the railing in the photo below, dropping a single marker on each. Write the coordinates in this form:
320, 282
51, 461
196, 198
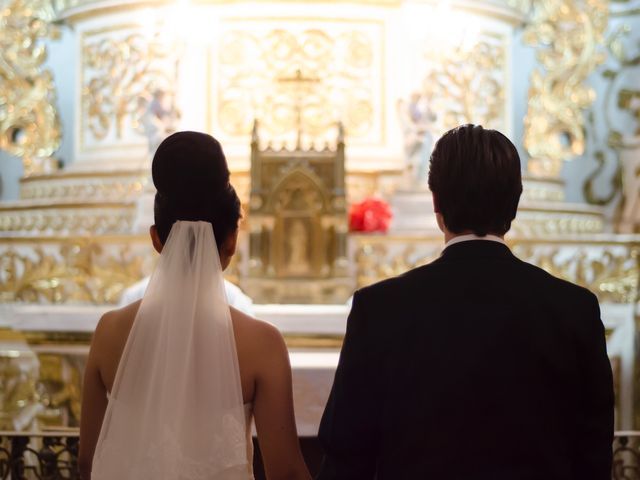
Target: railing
626, 456
54, 456
39, 456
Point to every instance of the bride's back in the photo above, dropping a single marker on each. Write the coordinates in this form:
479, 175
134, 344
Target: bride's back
193, 193
255, 343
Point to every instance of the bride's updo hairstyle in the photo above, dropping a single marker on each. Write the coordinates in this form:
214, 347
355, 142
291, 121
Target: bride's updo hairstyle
191, 176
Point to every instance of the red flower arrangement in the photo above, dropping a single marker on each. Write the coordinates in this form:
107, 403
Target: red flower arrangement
370, 215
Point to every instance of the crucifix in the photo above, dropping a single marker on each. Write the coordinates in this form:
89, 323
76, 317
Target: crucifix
299, 82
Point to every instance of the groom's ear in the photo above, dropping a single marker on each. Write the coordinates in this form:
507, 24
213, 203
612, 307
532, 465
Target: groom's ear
436, 204
155, 238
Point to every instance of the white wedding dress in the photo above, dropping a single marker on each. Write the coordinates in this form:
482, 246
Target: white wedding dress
176, 410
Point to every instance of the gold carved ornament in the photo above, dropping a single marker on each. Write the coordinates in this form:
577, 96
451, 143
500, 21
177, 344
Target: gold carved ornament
291, 80
612, 276
18, 387
610, 271
29, 123
82, 272
80, 188
60, 388
120, 77
468, 84
568, 34
378, 260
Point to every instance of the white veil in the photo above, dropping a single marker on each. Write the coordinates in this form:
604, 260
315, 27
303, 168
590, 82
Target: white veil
176, 409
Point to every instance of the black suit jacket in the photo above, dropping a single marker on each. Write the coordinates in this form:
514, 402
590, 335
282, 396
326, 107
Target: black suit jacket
476, 366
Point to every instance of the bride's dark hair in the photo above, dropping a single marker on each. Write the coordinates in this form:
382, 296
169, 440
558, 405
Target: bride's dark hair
191, 176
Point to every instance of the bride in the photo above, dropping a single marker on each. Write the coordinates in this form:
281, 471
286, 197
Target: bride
173, 380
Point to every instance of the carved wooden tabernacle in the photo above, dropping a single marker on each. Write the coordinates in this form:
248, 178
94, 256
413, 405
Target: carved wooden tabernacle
298, 224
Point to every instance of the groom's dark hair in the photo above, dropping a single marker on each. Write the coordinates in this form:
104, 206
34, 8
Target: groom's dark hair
191, 176
475, 177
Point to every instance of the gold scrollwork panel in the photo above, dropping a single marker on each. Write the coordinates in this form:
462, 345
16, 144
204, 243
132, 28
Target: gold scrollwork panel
610, 270
611, 273
76, 218
377, 259
82, 188
537, 224
467, 84
74, 271
295, 76
19, 399
568, 35
121, 71
60, 388
29, 123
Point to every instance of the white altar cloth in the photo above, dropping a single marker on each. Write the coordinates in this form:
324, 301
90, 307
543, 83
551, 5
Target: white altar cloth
290, 319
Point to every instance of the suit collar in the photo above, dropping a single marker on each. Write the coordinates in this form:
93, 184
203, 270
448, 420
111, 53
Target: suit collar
477, 248
471, 236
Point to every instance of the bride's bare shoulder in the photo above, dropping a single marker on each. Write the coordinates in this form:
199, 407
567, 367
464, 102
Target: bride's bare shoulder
115, 323
250, 330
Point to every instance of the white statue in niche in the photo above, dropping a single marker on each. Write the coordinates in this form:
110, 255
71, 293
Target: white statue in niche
298, 243
629, 100
417, 120
159, 119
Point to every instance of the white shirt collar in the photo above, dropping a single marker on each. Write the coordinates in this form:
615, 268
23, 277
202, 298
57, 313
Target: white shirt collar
472, 236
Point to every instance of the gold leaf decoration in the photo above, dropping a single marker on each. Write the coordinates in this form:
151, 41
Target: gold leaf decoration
609, 270
568, 34
296, 78
467, 85
120, 76
611, 274
81, 272
29, 123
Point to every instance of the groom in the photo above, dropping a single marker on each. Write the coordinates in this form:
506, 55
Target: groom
477, 366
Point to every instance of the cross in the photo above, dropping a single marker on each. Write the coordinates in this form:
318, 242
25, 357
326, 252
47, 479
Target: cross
299, 82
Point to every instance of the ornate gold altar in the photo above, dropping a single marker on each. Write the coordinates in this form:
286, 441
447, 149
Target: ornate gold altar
76, 236
298, 224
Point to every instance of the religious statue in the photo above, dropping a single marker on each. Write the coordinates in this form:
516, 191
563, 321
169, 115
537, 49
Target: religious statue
298, 240
629, 100
159, 118
417, 122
